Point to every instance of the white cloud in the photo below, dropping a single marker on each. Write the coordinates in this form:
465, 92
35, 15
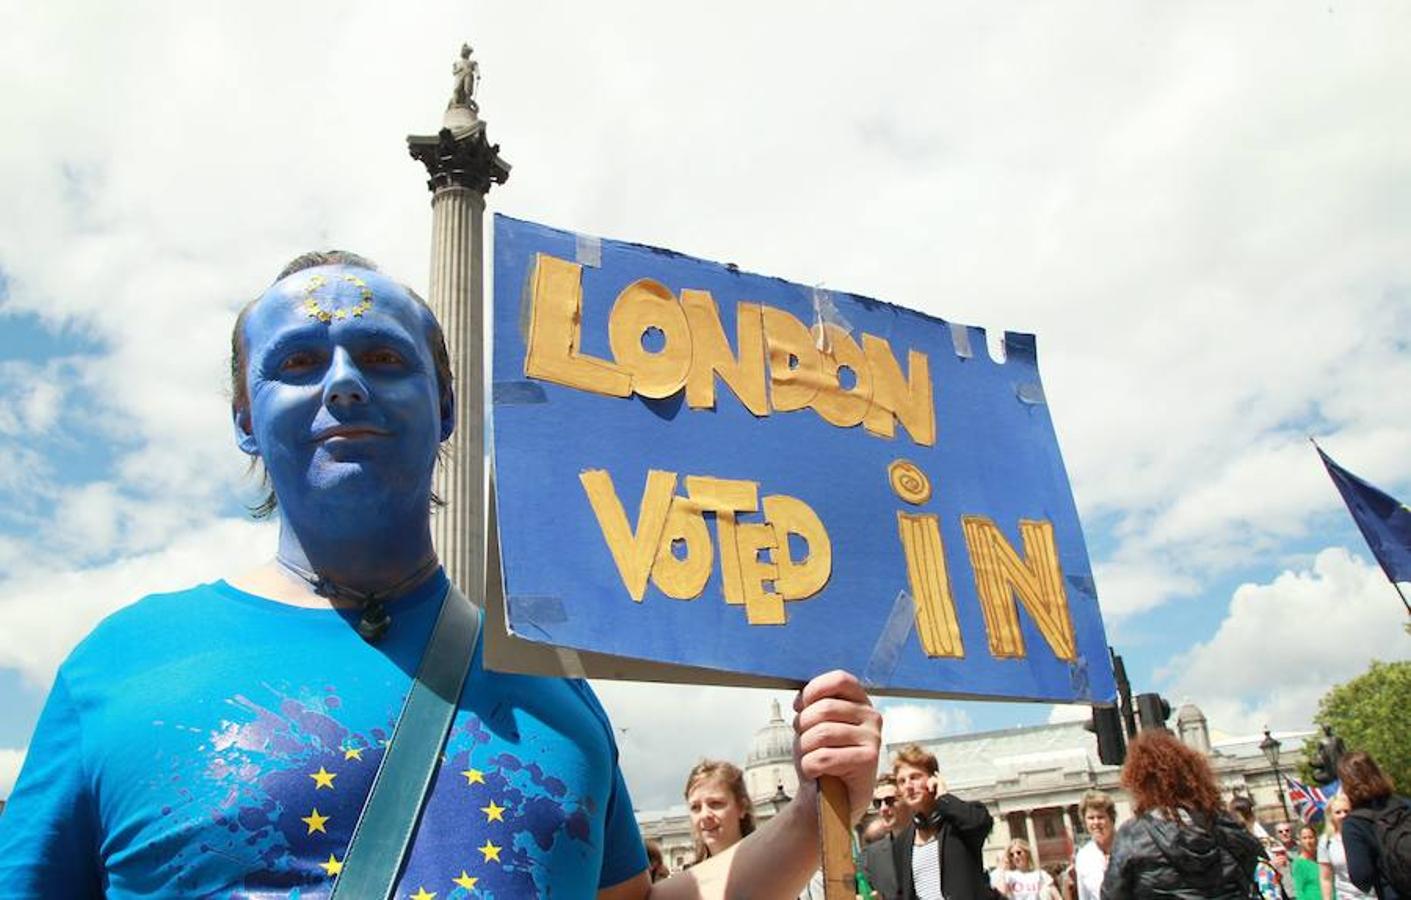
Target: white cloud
920, 720
10, 762
31, 395
664, 730
1284, 643
47, 611
1129, 587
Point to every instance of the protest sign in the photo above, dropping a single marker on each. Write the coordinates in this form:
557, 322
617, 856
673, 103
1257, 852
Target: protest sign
706, 474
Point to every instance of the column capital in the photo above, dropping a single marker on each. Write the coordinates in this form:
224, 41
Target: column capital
459, 159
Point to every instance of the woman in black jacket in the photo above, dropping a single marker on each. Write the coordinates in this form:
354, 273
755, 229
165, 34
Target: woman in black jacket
1181, 845
1370, 793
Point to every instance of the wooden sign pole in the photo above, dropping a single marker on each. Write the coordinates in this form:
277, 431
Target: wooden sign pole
835, 837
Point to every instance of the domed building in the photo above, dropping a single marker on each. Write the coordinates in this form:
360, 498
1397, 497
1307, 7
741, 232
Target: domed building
769, 766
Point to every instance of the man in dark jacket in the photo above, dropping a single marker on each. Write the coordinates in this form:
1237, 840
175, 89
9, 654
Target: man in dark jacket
937, 856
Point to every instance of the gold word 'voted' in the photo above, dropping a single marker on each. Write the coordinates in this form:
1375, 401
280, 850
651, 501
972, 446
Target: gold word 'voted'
671, 543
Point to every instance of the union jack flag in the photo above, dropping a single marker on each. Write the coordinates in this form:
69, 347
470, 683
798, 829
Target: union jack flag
1309, 801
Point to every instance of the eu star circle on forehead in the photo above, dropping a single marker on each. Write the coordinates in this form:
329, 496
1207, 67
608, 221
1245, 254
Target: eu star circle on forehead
339, 303
329, 301
335, 295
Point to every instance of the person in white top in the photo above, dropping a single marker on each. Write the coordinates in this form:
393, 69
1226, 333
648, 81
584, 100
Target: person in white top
1332, 858
1019, 879
1090, 865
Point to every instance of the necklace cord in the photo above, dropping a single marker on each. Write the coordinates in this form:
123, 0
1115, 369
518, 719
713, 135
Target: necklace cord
375, 621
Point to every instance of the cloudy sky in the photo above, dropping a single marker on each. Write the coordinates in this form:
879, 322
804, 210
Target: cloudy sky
1202, 210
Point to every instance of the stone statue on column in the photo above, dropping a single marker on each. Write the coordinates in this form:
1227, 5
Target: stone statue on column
461, 165
467, 75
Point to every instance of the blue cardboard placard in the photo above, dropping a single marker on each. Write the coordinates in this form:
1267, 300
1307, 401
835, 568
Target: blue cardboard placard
709, 471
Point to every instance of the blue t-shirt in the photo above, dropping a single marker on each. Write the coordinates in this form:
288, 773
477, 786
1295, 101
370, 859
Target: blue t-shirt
215, 743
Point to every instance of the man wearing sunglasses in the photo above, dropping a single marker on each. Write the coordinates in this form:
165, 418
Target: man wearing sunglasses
890, 812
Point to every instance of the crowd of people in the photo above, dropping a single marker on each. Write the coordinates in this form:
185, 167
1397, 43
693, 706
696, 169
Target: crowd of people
1182, 841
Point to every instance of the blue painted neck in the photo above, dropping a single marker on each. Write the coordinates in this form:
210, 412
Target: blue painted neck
381, 551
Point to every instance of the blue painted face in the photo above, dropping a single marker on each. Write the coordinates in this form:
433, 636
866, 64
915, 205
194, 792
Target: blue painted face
345, 410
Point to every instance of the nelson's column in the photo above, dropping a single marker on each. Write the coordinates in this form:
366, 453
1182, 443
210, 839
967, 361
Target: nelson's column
462, 164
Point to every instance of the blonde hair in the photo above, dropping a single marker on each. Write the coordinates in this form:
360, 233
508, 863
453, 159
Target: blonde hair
1331, 824
1019, 844
914, 755
1100, 802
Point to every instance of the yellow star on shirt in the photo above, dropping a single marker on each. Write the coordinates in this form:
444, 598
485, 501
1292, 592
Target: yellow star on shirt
353, 753
323, 778
466, 881
474, 776
490, 851
423, 894
315, 821
333, 866
493, 813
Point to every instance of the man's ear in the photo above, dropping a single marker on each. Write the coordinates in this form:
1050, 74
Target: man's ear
244, 432
448, 413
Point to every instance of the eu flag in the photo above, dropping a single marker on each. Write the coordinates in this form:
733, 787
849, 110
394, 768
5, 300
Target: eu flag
1384, 521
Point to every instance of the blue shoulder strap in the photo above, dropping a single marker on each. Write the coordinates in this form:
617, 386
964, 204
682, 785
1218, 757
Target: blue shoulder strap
394, 803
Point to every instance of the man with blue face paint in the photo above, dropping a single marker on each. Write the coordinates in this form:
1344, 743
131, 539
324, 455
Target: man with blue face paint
221, 741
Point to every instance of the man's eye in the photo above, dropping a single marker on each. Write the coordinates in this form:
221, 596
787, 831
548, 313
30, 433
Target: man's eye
383, 357
298, 361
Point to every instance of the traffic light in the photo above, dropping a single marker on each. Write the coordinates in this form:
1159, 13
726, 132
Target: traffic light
1106, 723
1153, 711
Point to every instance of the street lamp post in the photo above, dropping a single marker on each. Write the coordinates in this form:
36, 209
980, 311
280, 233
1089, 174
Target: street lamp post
1270, 747
778, 801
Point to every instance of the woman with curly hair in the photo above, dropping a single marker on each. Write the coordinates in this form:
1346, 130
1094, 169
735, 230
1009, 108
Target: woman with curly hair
1180, 845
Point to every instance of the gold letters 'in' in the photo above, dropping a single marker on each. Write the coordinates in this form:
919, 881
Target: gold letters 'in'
1000, 575
671, 545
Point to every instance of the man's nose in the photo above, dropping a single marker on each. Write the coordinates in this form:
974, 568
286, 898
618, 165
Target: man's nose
344, 384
